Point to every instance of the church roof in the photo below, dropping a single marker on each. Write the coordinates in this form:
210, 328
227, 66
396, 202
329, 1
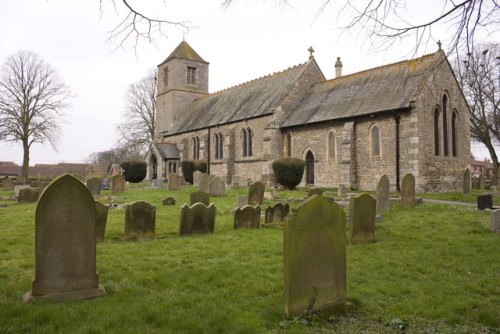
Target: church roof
252, 99
167, 150
186, 52
389, 87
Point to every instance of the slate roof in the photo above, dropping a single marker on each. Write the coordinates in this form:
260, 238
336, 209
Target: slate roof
252, 99
167, 150
47, 170
384, 88
185, 51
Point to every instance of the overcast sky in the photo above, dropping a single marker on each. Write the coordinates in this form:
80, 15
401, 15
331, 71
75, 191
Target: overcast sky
243, 42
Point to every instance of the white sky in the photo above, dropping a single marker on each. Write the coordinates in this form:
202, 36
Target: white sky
244, 42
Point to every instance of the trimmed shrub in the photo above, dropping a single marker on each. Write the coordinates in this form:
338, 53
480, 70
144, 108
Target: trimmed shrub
190, 166
134, 171
288, 171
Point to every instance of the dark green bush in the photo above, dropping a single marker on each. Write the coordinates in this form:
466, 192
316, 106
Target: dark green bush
288, 171
134, 171
190, 166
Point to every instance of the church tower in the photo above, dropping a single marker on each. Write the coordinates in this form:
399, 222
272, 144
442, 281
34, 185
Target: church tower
182, 78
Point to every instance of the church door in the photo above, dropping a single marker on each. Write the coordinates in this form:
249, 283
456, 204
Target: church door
309, 168
154, 166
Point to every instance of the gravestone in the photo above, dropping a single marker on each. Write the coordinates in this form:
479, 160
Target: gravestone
314, 252
475, 183
117, 184
383, 190
174, 182
484, 202
408, 191
7, 184
65, 246
199, 197
217, 188
168, 201
495, 190
315, 191
204, 182
481, 181
94, 185
362, 219
495, 220
197, 218
28, 195
466, 182
342, 192
247, 217
105, 183
242, 201
101, 220
196, 178
140, 220
157, 183
276, 213
18, 188
256, 193
235, 181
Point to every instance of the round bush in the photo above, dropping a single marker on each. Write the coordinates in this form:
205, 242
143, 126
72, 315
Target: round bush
134, 171
288, 171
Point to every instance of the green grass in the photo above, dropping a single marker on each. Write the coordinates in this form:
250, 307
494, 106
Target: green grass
435, 267
458, 197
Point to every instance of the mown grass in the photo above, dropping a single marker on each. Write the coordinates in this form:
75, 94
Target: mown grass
435, 267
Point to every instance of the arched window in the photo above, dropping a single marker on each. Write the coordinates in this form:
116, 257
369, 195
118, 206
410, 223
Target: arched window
247, 142
445, 125
375, 141
331, 145
219, 148
244, 143
196, 148
249, 148
454, 147
436, 131
288, 145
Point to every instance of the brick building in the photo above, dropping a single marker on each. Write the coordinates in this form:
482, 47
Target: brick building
406, 117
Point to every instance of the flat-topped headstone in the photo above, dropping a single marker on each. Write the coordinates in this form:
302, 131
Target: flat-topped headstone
157, 183
117, 184
242, 201
235, 181
197, 218
65, 246
314, 252
204, 182
18, 188
495, 220
140, 221
484, 202
481, 181
174, 182
101, 220
466, 182
216, 187
315, 191
383, 191
7, 184
408, 191
196, 178
475, 182
168, 201
247, 217
199, 197
94, 185
28, 195
362, 219
276, 213
256, 193
105, 183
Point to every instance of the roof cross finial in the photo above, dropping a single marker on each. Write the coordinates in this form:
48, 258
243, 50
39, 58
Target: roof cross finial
311, 52
439, 44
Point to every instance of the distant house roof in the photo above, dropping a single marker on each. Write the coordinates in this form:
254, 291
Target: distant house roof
184, 51
389, 87
252, 99
167, 150
47, 170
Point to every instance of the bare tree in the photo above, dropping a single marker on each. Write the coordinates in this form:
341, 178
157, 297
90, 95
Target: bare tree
137, 129
103, 160
32, 101
478, 74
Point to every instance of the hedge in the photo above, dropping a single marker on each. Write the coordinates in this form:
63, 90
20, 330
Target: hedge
134, 171
288, 171
190, 166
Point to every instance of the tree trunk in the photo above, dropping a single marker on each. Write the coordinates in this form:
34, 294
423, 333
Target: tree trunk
494, 160
26, 161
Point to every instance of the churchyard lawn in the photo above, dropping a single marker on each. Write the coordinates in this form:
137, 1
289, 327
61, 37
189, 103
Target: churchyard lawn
433, 268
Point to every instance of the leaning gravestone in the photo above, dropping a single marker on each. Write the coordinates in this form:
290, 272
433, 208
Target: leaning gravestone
101, 220
204, 182
256, 193
276, 213
117, 184
314, 252
7, 185
247, 217
196, 178
466, 185
481, 181
408, 191
484, 202
140, 220
94, 185
18, 188
242, 201
495, 220
383, 190
199, 197
216, 187
197, 218
174, 182
65, 246
315, 191
28, 195
362, 219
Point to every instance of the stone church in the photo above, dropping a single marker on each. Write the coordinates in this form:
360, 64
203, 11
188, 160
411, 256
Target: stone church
406, 117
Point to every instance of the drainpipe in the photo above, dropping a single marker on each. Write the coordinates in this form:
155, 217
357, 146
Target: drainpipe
397, 118
208, 152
